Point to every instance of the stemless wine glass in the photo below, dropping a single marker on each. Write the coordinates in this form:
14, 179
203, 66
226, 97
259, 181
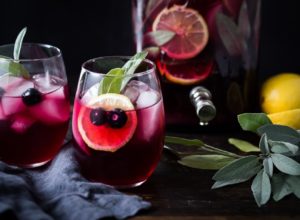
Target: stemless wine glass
118, 136
34, 104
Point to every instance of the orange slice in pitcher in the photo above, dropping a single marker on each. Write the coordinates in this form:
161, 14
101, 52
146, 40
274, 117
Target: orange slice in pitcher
190, 28
108, 122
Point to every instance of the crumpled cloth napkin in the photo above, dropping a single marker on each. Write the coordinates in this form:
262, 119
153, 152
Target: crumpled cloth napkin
58, 191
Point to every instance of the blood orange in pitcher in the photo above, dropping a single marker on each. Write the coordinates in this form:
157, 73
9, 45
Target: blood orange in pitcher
118, 121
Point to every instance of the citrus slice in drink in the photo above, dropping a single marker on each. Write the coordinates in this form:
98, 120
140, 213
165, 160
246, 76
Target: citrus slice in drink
190, 28
108, 122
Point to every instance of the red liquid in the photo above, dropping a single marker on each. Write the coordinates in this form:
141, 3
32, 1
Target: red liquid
32, 135
233, 87
133, 163
37, 145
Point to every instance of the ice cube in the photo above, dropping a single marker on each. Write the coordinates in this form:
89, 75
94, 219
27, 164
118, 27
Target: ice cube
132, 93
12, 99
141, 86
21, 123
54, 108
7, 81
46, 83
147, 98
133, 90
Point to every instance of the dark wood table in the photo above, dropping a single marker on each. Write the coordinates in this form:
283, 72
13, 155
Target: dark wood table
178, 192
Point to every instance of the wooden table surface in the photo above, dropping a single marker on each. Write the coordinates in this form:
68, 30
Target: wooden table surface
178, 192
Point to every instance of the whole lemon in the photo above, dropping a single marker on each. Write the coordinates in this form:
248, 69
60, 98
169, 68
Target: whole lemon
280, 93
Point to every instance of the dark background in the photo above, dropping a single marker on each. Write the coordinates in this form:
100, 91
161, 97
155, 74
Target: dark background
87, 29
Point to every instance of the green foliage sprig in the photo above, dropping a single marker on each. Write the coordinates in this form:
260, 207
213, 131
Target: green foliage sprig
272, 165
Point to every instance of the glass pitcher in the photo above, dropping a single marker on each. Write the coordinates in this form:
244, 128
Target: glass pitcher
206, 52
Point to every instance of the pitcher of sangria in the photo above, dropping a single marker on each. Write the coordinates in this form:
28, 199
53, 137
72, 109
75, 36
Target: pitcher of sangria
206, 53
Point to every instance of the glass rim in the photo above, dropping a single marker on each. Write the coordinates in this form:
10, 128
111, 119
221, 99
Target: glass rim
146, 72
41, 45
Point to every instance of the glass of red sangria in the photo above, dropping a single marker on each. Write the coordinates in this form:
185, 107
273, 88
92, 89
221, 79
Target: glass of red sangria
34, 103
118, 120
207, 43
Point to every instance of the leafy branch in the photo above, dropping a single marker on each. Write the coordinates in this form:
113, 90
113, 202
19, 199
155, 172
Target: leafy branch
272, 164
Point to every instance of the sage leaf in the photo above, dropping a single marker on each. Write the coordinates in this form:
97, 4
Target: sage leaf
242, 145
268, 166
12, 66
243, 168
252, 121
264, 145
229, 34
286, 164
207, 162
112, 81
294, 183
153, 52
9, 66
280, 133
183, 141
280, 187
115, 80
158, 38
261, 188
279, 149
18, 43
244, 26
283, 147
131, 65
219, 184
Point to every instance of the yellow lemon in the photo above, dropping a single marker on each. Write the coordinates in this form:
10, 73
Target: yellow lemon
281, 93
289, 118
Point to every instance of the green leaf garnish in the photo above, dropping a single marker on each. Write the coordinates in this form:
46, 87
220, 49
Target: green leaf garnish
228, 31
112, 81
158, 38
244, 146
253, 121
18, 43
261, 188
208, 162
12, 66
115, 80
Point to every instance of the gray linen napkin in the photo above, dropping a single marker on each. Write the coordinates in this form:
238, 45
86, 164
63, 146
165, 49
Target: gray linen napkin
58, 191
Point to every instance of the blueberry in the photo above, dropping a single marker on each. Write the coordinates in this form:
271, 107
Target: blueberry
31, 97
117, 118
98, 116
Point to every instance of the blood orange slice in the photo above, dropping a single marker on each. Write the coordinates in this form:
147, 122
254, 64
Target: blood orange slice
190, 28
105, 136
187, 72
